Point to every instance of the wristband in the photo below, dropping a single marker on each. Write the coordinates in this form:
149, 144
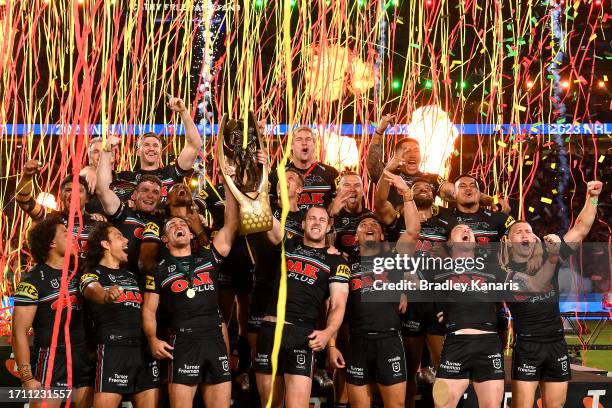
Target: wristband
332, 345
25, 380
378, 133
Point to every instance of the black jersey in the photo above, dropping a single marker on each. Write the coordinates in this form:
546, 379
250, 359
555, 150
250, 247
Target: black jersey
320, 182
434, 180
199, 314
40, 287
487, 226
538, 316
345, 227
126, 181
370, 315
211, 200
137, 227
434, 230
119, 321
293, 224
310, 271
466, 313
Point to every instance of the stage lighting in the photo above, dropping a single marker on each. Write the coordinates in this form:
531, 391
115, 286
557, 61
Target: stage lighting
429, 3
463, 84
396, 84
341, 151
259, 3
565, 84
601, 84
47, 200
598, 2
529, 84
432, 127
428, 84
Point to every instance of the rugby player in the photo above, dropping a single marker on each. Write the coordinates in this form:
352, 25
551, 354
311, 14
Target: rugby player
540, 357
150, 157
320, 180
184, 284
313, 275
37, 299
124, 365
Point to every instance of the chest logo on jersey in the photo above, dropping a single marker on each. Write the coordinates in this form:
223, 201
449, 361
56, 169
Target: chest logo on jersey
55, 283
130, 298
311, 198
73, 301
302, 271
201, 282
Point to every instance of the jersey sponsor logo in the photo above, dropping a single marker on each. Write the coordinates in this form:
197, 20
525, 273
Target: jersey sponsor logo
311, 199
73, 301
130, 298
307, 271
27, 290
55, 283
343, 271
149, 282
395, 366
301, 359
202, 281
151, 229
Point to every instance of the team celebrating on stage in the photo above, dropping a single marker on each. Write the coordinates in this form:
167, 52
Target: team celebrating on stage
156, 276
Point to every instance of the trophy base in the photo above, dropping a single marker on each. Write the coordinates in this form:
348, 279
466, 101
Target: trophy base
255, 216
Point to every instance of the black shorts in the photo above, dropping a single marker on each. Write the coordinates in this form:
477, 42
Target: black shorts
540, 361
477, 357
420, 319
294, 357
378, 358
197, 360
125, 369
83, 368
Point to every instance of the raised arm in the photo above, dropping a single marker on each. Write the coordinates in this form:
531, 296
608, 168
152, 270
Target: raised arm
275, 235
374, 157
24, 190
587, 216
193, 142
104, 177
384, 209
224, 239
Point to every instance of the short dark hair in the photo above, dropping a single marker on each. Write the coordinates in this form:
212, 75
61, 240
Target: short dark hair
95, 250
68, 179
150, 178
298, 174
466, 175
373, 216
403, 141
40, 237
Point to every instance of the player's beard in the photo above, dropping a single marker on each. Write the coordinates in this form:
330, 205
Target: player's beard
423, 202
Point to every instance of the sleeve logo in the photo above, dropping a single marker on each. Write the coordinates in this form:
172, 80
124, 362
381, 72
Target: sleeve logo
149, 282
152, 228
509, 222
89, 277
27, 290
343, 271
203, 195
